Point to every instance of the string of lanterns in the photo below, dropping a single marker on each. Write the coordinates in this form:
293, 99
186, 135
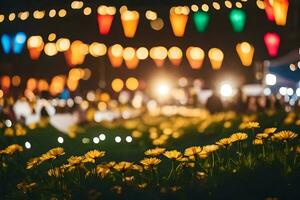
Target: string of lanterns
76, 51
275, 9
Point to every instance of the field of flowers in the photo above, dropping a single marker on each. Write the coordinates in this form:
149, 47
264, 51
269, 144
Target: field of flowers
220, 156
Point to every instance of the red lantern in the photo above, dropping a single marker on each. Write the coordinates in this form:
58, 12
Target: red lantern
269, 10
272, 41
105, 19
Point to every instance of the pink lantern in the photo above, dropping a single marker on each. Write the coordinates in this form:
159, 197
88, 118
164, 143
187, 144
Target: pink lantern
272, 41
269, 10
105, 19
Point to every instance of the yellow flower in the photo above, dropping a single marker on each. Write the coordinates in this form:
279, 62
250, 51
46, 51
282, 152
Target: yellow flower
33, 162
173, 155
270, 130
25, 187
227, 124
56, 172
203, 154
257, 141
238, 136
150, 162
102, 170
9, 132
122, 166
262, 135
136, 167
11, 149
154, 152
249, 125
284, 135
211, 148
55, 152
298, 149
142, 185
201, 175
20, 131
224, 142
90, 156
191, 151
75, 160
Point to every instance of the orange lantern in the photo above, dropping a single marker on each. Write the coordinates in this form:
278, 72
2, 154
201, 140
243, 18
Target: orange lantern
130, 57
5, 82
105, 18
280, 8
216, 57
175, 55
35, 45
178, 18
245, 52
158, 54
42, 85
32, 84
130, 21
195, 56
115, 55
57, 85
75, 55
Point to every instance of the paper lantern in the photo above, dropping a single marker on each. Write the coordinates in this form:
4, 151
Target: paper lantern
63, 44
216, 57
5, 82
50, 49
6, 43
175, 55
245, 52
130, 57
115, 55
35, 45
238, 19
201, 20
57, 85
97, 49
105, 18
130, 21
75, 55
178, 17
142, 53
269, 9
272, 42
158, 54
132, 83
19, 42
117, 85
195, 56
280, 8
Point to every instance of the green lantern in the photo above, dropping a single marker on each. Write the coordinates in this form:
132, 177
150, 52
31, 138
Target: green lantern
201, 20
237, 18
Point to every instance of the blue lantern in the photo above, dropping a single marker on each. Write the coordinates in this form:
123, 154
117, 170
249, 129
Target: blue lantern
6, 43
19, 42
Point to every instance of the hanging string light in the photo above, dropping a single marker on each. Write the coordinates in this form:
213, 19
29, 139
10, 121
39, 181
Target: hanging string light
130, 21
115, 55
158, 54
280, 8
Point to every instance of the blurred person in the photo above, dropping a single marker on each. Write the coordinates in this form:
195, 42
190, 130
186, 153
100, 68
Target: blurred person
214, 103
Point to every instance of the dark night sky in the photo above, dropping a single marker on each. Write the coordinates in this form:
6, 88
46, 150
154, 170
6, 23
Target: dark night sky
77, 26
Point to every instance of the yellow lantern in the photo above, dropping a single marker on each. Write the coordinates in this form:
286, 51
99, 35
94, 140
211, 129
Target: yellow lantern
50, 49
35, 45
178, 17
72, 84
97, 49
280, 9
216, 57
57, 85
130, 21
132, 83
42, 85
195, 56
142, 53
158, 54
245, 52
117, 85
62, 44
75, 55
175, 55
115, 55
130, 57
